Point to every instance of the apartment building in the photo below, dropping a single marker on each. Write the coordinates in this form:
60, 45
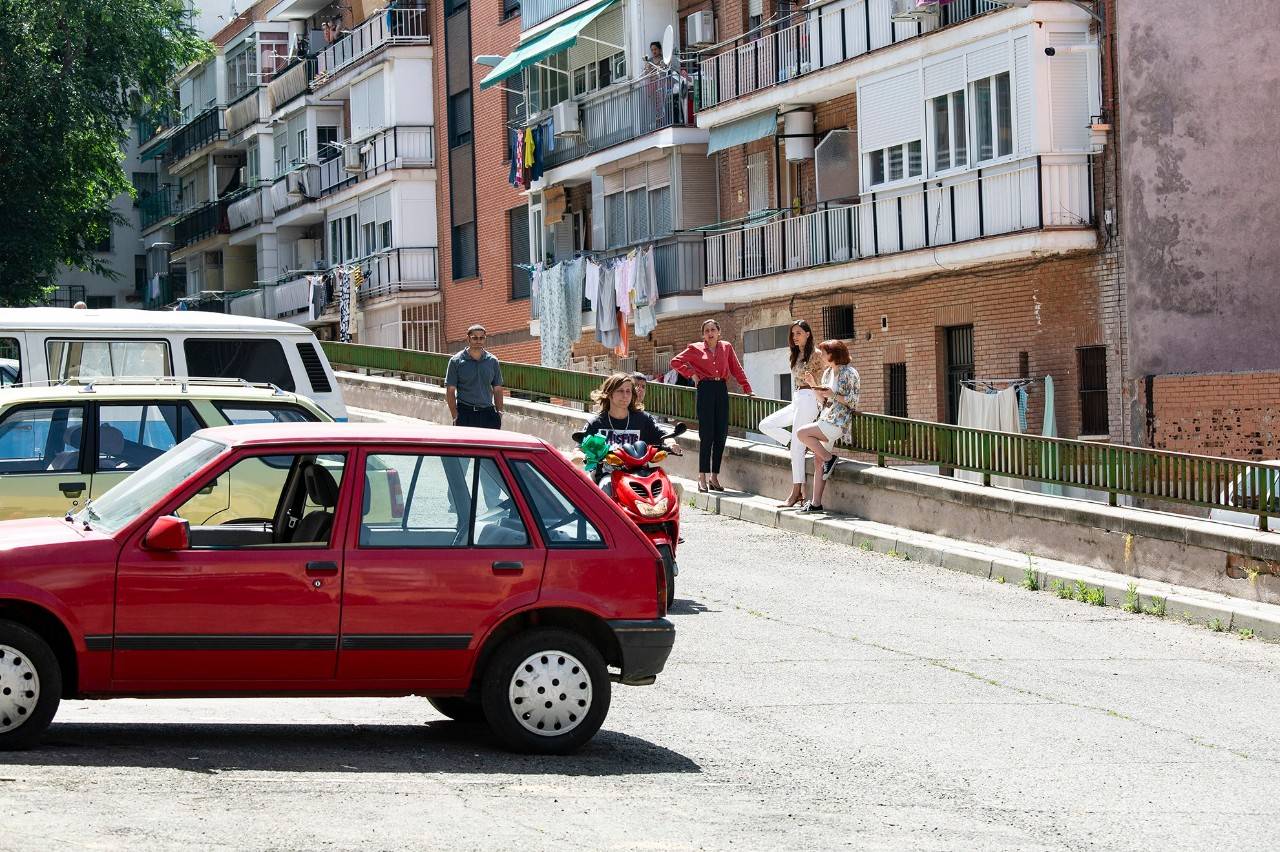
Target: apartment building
924, 181
301, 180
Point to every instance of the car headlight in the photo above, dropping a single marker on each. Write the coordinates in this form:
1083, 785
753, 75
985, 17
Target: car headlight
653, 510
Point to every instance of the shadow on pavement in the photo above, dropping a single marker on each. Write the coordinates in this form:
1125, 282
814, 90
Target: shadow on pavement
443, 746
685, 606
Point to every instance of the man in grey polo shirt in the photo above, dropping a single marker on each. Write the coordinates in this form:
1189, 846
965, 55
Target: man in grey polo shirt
473, 384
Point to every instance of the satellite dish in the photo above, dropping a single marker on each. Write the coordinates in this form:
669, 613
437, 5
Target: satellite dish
668, 44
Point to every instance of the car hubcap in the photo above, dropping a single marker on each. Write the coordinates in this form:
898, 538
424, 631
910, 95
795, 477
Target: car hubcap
550, 693
19, 688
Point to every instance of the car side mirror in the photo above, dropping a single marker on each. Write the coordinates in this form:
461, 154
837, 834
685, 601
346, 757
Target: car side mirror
169, 532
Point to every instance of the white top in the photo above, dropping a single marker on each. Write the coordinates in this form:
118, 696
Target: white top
126, 319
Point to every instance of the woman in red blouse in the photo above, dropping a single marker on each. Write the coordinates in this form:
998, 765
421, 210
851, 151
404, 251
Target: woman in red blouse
709, 364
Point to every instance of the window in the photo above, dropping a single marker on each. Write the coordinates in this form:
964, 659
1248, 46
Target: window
144, 184
314, 365
615, 218
327, 146
838, 320
548, 82
242, 71
99, 302
70, 359
562, 523
518, 230
758, 181
897, 162
510, 8
460, 118
637, 215
102, 230
766, 339
282, 163
35, 440
1093, 391
133, 434
464, 250
267, 501
251, 163
895, 395
660, 211
261, 360
993, 117
451, 501
241, 413
302, 145
342, 239
950, 134
10, 361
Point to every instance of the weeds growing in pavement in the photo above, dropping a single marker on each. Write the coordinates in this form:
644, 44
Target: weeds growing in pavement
1030, 581
1095, 596
1061, 589
1079, 590
1216, 625
865, 545
1131, 603
1000, 579
1156, 607
1245, 633
898, 554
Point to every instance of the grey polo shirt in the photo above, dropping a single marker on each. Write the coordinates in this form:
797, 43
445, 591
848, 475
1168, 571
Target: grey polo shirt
474, 378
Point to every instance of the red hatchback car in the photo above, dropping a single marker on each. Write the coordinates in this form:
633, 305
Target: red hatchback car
477, 568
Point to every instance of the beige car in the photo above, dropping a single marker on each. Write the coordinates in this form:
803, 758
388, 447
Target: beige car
65, 444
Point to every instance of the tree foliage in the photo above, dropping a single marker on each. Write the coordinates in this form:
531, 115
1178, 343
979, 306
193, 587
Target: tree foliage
74, 74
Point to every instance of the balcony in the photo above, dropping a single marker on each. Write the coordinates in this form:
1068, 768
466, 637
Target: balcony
534, 12
206, 128
295, 188
382, 29
828, 35
246, 110
621, 114
1026, 195
290, 83
399, 270
393, 148
250, 207
201, 223
157, 206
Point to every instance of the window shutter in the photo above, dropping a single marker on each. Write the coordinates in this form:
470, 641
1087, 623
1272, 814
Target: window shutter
519, 219
368, 210
638, 215
988, 61
598, 232
1069, 95
660, 210
384, 207
616, 219
944, 77
890, 112
1023, 112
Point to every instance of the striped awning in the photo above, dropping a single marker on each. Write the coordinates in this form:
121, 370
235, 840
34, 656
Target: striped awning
742, 131
544, 44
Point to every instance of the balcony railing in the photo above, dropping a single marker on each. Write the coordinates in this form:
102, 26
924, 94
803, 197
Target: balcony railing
620, 115
399, 270
1024, 195
209, 126
290, 82
534, 12
157, 206
250, 208
295, 188
818, 39
395, 147
201, 223
388, 27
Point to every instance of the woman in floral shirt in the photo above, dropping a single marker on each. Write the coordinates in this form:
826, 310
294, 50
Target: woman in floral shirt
839, 392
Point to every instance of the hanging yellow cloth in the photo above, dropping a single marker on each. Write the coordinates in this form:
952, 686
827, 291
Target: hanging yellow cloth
528, 148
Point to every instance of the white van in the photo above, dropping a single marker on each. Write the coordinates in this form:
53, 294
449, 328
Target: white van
1240, 494
56, 344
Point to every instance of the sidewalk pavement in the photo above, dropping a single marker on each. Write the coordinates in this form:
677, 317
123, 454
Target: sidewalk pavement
1179, 602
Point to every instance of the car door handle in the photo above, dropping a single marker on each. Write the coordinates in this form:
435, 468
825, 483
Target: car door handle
71, 489
322, 567
508, 567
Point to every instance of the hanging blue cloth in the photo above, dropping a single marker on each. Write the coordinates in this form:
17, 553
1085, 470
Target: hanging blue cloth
513, 151
1022, 408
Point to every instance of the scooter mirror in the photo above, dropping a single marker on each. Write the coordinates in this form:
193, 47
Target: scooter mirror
680, 429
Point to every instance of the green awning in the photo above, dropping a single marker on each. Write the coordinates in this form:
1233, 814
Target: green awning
546, 43
152, 153
742, 131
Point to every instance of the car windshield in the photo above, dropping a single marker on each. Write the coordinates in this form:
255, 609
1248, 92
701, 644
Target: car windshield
118, 507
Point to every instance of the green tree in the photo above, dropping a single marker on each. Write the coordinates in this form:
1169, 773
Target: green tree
74, 74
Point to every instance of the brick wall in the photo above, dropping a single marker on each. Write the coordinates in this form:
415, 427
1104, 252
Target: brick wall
485, 298
1236, 415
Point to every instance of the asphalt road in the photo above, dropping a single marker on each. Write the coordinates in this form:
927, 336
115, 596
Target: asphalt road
819, 696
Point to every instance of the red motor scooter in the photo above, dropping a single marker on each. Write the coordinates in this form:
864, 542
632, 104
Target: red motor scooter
631, 475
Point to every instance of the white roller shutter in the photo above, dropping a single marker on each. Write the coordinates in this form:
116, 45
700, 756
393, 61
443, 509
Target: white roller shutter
890, 111
1023, 112
368, 210
1069, 95
944, 77
989, 60
384, 207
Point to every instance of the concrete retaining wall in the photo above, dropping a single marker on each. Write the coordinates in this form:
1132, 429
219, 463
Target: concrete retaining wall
1151, 545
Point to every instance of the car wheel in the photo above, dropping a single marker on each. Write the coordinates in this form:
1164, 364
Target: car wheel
459, 709
669, 566
30, 686
546, 691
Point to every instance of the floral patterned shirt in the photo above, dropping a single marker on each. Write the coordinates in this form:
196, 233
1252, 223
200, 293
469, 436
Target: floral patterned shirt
807, 373
845, 385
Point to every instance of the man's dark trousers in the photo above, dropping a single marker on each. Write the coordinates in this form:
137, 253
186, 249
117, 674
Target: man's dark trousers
480, 418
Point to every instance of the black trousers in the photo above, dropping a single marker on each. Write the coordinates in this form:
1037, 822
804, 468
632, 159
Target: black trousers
480, 418
713, 423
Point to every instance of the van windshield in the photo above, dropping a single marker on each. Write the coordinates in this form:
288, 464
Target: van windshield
86, 358
121, 505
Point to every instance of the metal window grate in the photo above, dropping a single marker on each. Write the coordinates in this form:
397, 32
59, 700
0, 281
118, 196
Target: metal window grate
1093, 391
838, 320
895, 396
959, 353
518, 223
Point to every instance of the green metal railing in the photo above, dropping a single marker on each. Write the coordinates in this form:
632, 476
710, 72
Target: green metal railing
1201, 481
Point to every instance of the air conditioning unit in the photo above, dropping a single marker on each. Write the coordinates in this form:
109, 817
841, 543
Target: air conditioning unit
700, 29
564, 118
351, 159
913, 10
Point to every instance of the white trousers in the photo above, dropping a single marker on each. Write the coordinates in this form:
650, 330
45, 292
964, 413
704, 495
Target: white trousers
783, 424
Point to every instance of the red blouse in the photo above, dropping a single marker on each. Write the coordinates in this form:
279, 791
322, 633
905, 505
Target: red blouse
720, 363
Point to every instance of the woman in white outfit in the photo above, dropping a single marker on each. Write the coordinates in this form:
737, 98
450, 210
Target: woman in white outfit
781, 426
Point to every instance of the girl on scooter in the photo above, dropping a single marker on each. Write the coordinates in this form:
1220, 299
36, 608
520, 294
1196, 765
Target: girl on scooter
620, 420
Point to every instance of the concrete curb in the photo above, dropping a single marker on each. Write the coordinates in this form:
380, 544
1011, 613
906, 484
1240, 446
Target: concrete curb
1193, 606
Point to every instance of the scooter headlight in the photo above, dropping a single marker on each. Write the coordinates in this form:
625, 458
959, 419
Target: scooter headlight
653, 510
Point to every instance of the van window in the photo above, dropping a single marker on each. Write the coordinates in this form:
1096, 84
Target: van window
10, 361
239, 414
70, 358
251, 360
